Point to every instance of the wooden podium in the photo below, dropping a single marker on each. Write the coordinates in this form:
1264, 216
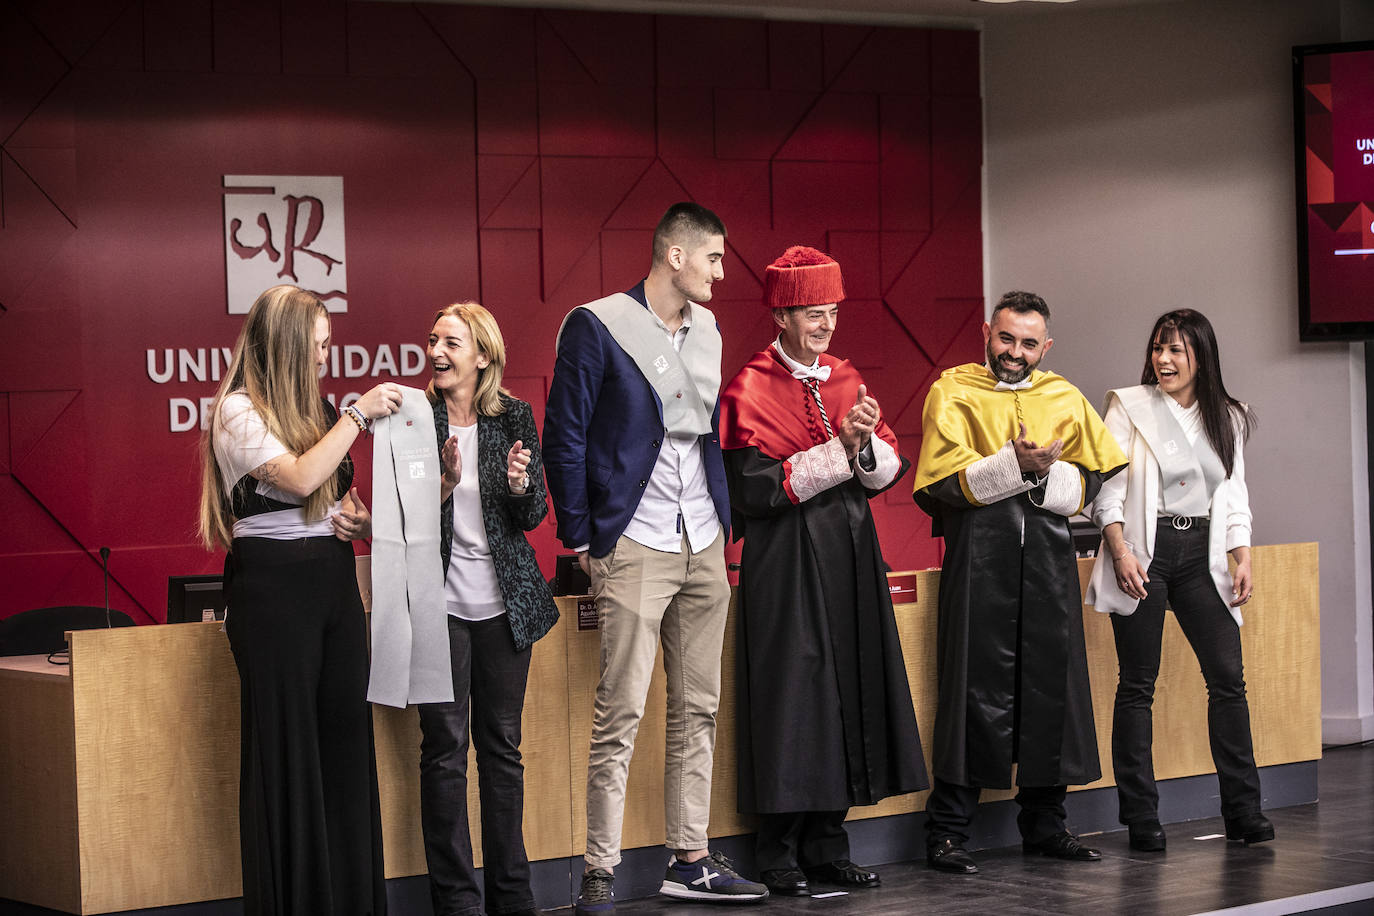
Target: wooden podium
119, 776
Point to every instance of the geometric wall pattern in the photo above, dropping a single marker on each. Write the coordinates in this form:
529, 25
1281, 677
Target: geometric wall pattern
517, 156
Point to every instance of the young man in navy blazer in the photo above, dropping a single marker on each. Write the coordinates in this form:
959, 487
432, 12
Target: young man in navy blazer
632, 457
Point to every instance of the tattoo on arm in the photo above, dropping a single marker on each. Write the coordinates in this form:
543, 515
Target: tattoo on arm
268, 473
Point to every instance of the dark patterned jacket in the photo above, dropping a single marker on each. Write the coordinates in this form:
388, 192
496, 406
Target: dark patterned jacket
530, 610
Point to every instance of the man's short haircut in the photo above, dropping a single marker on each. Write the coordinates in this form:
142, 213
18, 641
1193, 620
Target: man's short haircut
1021, 303
685, 224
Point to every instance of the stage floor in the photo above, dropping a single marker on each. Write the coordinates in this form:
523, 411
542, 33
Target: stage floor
1322, 860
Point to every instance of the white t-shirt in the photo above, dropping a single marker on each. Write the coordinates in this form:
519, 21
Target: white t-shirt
470, 587
242, 444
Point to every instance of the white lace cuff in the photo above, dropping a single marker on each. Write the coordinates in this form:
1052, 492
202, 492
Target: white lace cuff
1063, 490
994, 478
818, 469
885, 467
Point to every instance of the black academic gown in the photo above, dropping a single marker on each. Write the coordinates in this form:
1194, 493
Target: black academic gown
825, 716
1013, 669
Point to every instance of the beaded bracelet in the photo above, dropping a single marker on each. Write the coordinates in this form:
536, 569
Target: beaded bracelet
356, 416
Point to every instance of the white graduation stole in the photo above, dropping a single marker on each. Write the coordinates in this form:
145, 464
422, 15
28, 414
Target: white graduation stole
410, 653
687, 383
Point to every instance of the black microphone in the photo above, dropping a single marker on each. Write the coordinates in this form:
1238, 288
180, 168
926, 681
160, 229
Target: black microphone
105, 564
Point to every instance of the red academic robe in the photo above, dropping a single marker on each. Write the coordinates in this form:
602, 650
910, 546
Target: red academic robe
825, 719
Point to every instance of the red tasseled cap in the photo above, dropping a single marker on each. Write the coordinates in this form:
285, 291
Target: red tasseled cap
802, 276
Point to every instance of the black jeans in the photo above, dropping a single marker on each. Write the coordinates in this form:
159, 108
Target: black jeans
488, 669
801, 839
950, 809
1179, 574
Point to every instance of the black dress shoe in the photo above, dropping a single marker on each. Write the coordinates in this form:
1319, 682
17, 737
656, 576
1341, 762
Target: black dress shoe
1062, 845
949, 856
844, 873
1249, 828
788, 882
1147, 836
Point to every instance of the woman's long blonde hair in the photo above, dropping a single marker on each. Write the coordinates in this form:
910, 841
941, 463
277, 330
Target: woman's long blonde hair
486, 336
274, 362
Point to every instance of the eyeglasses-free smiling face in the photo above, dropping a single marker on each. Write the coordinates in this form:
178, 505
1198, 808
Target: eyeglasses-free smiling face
806, 330
1175, 366
1016, 343
453, 355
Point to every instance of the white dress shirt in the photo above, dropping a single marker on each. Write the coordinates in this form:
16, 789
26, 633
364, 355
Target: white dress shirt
676, 498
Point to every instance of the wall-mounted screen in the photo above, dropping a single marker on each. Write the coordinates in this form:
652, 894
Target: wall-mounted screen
1333, 96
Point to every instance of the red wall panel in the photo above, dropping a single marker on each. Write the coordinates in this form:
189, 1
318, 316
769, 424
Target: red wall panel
516, 156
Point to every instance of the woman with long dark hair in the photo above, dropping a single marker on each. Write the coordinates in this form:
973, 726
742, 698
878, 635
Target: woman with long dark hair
1168, 524
277, 494
498, 606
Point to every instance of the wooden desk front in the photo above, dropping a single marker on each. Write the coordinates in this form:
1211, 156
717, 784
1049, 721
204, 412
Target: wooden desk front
119, 779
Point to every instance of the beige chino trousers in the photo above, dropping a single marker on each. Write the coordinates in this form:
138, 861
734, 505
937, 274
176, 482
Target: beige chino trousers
644, 596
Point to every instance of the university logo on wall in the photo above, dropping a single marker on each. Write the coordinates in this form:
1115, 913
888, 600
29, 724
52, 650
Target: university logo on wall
284, 229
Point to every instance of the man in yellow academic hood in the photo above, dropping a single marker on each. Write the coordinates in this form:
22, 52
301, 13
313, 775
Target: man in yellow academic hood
1008, 454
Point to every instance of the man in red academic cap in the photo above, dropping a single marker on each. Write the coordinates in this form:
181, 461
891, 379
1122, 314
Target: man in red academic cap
825, 717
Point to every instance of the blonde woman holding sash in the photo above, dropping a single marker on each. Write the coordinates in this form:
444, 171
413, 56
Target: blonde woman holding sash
276, 493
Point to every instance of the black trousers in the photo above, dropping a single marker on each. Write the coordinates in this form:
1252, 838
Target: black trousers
1179, 574
951, 807
309, 822
489, 678
801, 839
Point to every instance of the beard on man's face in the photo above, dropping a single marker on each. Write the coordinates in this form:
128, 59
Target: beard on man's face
1007, 369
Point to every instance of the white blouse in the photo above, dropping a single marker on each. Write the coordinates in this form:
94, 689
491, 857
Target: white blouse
470, 586
242, 444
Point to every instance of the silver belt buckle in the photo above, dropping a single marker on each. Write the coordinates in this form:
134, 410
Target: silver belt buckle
1182, 522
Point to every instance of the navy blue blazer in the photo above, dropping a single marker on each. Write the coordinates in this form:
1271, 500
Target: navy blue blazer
603, 428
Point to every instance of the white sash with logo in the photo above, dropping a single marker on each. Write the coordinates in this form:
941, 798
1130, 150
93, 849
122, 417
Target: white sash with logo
688, 382
1188, 473
410, 655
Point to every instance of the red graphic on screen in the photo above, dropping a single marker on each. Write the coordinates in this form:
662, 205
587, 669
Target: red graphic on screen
1338, 103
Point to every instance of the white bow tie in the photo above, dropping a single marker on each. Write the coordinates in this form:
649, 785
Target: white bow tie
819, 373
